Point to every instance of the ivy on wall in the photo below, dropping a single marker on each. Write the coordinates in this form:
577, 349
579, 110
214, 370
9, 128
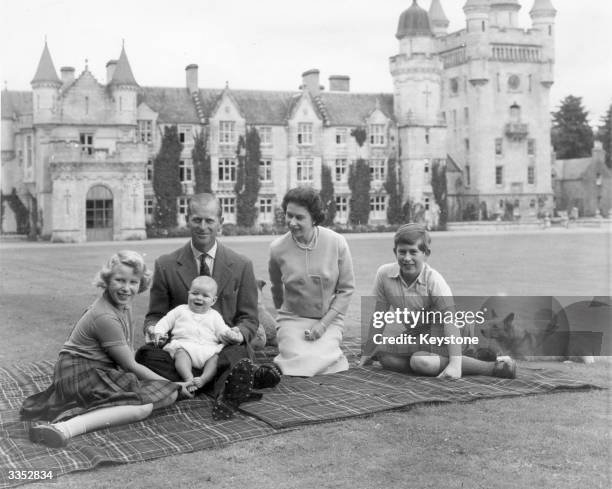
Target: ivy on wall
438, 185
359, 183
395, 191
200, 156
327, 195
166, 182
247, 178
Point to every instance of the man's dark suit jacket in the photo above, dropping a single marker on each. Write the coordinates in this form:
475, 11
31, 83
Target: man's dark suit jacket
236, 294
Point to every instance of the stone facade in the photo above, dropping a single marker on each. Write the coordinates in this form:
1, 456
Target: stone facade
79, 152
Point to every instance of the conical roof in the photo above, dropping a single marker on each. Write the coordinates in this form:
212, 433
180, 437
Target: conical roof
123, 72
414, 21
46, 70
543, 6
436, 14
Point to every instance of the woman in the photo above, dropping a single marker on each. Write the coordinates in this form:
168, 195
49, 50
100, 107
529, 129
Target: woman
96, 382
312, 279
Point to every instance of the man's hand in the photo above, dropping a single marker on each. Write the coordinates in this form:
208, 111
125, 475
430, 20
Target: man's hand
232, 337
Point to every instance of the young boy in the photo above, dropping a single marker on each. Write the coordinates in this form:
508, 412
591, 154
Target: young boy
411, 284
196, 331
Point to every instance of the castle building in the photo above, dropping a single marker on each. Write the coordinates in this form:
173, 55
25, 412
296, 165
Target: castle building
77, 153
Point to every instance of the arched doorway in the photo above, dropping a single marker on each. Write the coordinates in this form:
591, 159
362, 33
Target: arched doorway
99, 214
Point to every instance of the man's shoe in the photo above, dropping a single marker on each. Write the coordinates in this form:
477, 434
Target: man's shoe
48, 435
505, 368
266, 377
222, 410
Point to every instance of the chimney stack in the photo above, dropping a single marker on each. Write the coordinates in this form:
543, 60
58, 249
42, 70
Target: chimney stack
191, 75
67, 75
110, 70
310, 82
339, 83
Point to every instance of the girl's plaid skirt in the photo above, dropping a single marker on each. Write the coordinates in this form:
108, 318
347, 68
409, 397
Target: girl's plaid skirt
81, 385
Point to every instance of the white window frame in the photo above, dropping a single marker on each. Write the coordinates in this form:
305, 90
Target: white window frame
341, 136
342, 208
149, 206
185, 171
377, 134
181, 210
266, 211
144, 131
341, 166
304, 133
378, 206
499, 147
265, 135
86, 139
378, 170
227, 169
228, 206
305, 170
227, 132
265, 170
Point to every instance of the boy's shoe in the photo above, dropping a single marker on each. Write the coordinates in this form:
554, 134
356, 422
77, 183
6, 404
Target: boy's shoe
266, 377
237, 390
505, 368
48, 435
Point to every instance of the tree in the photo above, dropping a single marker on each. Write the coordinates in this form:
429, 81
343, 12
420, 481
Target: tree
166, 182
247, 178
605, 135
327, 195
572, 136
359, 183
201, 163
438, 185
395, 190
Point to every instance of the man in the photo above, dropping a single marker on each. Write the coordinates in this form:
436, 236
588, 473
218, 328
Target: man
237, 304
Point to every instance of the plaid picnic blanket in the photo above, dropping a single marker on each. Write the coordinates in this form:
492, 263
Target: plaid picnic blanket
187, 426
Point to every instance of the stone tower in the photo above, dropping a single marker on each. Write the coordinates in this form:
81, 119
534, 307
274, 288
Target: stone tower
45, 88
417, 73
125, 90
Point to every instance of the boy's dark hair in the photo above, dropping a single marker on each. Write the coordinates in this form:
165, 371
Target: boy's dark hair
306, 197
413, 234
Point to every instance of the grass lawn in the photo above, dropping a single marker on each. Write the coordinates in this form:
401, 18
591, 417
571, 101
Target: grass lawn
557, 441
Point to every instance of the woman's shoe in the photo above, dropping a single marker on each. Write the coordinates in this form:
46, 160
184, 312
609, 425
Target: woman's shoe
48, 435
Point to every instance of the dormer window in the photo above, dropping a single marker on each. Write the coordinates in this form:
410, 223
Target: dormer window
304, 133
377, 134
184, 134
227, 132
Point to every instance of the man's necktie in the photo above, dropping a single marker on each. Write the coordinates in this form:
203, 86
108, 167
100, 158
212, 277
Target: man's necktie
204, 270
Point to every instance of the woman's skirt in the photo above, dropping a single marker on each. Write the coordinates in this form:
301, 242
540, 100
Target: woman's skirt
81, 385
300, 357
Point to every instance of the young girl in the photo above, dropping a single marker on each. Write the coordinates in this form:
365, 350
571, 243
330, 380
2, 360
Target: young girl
96, 382
196, 333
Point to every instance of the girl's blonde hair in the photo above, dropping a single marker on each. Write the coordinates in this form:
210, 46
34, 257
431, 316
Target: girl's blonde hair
128, 258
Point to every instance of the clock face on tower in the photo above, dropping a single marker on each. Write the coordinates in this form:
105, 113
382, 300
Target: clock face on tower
514, 82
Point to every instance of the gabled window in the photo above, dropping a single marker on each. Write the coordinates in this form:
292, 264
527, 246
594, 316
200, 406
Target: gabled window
227, 132
377, 134
304, 134
144, 131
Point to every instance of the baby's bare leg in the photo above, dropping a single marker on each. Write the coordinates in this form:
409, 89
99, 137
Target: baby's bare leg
210, 369
182, 363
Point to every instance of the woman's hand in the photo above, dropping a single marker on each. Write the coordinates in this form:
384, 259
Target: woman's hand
315, 332
232, 337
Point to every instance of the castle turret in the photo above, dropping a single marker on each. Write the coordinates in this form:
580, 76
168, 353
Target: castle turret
504, 13
417, 80
8, 130
437, 18
543, 18
124, 89
477, 39
476, 16
45, 87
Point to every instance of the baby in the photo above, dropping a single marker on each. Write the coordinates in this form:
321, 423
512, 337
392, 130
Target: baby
197, 330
